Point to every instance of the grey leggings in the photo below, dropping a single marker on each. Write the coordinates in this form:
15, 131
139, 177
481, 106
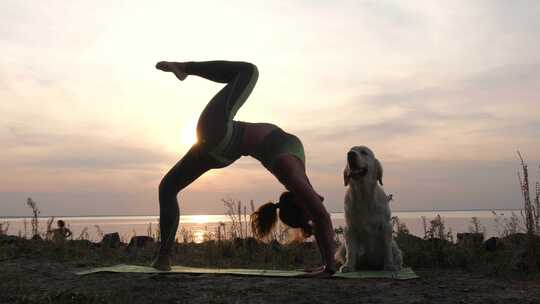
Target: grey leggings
219, 137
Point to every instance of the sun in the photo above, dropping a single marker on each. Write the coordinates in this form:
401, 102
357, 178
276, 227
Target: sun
189, 133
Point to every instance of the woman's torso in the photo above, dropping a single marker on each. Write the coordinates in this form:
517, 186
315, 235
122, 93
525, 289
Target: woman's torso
266, 142
254, 135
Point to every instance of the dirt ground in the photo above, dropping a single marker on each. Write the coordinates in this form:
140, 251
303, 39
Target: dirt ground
31, 280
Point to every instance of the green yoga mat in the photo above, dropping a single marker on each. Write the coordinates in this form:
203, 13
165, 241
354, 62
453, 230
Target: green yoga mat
404, 274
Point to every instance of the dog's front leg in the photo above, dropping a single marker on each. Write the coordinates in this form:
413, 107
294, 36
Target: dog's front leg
352, 250
387, 247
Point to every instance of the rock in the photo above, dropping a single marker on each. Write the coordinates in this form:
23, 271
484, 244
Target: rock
470, 239
37, 237
492, 244
515, 239
137, 242
408, 240
308, 245
276, 246
251, 244
519, 240
9, 239
111, 240
238, 242
439, 243
82, 243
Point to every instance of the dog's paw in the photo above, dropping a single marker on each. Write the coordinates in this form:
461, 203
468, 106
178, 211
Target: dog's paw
391, 267
346, 268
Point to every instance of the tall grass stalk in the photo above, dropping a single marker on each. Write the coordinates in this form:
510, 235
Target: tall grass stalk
35, 214
398, 227
99, 232
437, 229
506, 226
4, 227
238, 219
149, 231
240, 225
530, 211
476, 226
25, 227
49, 231
84, 235
245, 222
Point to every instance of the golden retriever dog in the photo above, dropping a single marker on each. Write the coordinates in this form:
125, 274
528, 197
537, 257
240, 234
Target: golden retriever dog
368, 234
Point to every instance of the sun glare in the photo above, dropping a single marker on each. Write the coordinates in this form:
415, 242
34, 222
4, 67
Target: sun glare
199, 236
189, 134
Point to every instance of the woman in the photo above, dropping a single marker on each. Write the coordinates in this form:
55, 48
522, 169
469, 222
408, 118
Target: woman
222, 140
61, 233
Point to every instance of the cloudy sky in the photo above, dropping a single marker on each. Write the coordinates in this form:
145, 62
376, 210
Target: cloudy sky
444, 92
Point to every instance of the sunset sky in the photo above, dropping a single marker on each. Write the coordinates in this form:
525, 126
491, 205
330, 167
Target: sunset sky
444, 93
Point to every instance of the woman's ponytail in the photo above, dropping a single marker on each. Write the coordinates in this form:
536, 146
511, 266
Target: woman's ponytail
263, 220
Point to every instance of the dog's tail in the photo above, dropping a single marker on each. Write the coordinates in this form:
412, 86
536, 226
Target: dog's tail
340, 254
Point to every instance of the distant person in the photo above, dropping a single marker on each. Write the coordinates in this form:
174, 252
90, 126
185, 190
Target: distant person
222, 140
61, 233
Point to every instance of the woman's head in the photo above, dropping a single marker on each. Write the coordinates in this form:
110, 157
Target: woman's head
61, 223
264, 219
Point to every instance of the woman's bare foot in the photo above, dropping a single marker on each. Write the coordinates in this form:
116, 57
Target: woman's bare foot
313, 269
177, 68
321, 273
162, 263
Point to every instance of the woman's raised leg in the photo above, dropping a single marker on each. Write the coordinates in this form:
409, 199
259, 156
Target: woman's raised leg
215, 122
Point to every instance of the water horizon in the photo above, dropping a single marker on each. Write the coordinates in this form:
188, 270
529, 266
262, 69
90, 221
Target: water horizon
45, 216
202, 225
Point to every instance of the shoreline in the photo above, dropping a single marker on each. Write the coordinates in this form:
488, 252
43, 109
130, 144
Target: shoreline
221, 214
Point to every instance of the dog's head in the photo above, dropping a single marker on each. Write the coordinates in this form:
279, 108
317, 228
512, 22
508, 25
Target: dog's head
362, 166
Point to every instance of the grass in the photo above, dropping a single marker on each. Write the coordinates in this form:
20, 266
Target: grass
436, 249
514, 255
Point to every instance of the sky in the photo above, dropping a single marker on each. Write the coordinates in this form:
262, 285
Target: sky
443, 92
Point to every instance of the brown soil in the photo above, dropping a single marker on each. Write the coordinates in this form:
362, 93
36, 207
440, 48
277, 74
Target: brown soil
44, 272
42, 280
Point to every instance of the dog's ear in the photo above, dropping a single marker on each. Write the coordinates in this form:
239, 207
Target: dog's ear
346, 176
378, 169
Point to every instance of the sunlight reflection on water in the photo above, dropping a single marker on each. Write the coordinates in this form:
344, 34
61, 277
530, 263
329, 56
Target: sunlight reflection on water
201, 225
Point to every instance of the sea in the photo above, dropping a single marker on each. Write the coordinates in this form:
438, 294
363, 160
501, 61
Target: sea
491, 222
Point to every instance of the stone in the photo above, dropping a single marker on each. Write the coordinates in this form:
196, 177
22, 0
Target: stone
37, 237
492, 244
470, 239
111, 240
140, 241
276, 246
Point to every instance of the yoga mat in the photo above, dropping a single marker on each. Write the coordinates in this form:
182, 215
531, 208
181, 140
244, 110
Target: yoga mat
404, 274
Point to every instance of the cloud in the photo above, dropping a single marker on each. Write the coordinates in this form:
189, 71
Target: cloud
378, 131
409, 108
82, 150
